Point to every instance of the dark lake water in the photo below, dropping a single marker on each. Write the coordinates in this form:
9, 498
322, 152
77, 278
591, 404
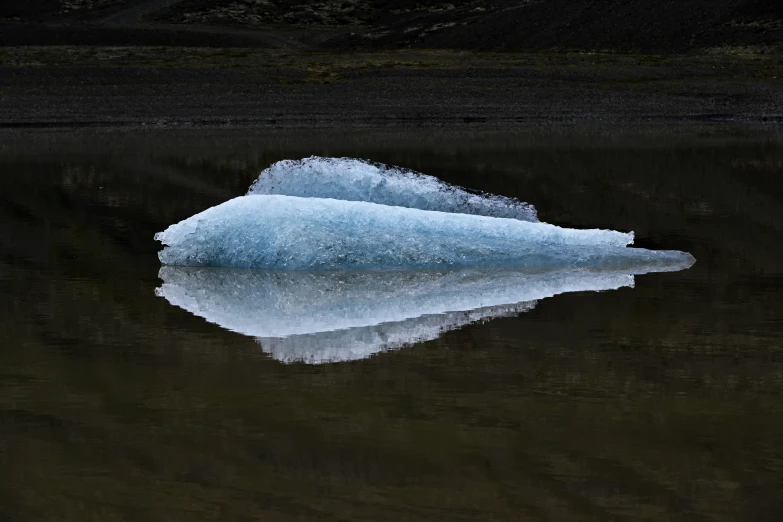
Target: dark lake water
661, 401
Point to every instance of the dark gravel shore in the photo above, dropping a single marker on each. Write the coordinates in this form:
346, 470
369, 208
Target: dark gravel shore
81, 63
72, 86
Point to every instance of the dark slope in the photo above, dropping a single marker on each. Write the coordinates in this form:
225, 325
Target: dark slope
60, 10
636, 25
628, 25
117, 22
662, 26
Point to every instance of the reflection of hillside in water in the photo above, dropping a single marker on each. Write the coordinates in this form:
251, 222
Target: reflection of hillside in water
319, 317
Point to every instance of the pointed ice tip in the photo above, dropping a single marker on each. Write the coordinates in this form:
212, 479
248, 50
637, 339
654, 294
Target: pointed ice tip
681, 261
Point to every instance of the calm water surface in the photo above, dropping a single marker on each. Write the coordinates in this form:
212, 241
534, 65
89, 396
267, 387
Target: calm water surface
661, 401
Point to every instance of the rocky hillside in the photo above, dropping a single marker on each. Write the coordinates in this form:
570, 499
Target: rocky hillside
55, 10
641, 25
621, 25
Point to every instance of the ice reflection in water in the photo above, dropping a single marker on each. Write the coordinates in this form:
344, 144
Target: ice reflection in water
321, 317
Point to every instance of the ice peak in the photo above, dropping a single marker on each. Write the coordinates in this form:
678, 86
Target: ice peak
360, 180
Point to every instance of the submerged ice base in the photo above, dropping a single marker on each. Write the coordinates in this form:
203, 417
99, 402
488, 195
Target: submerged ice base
319, 317
295, 233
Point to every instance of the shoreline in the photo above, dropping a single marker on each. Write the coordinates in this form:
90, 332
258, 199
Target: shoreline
136, 87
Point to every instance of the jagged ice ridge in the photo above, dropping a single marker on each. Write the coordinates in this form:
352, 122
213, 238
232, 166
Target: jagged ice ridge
359, 180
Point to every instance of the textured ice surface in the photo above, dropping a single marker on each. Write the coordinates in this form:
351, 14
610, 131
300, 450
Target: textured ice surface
295, 233
324, 230
357, 180
319, 317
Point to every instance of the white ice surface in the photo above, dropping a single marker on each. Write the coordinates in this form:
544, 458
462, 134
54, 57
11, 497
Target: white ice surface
358, 180
294, 233
319, 317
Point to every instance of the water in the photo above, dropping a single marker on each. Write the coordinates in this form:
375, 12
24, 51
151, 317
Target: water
662, 401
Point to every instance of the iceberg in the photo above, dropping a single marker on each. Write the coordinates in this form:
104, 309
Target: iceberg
322, 317
358, 180
296, 233
353, 258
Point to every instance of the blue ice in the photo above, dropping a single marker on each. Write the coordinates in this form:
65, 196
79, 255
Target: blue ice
342, 214
293, 233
